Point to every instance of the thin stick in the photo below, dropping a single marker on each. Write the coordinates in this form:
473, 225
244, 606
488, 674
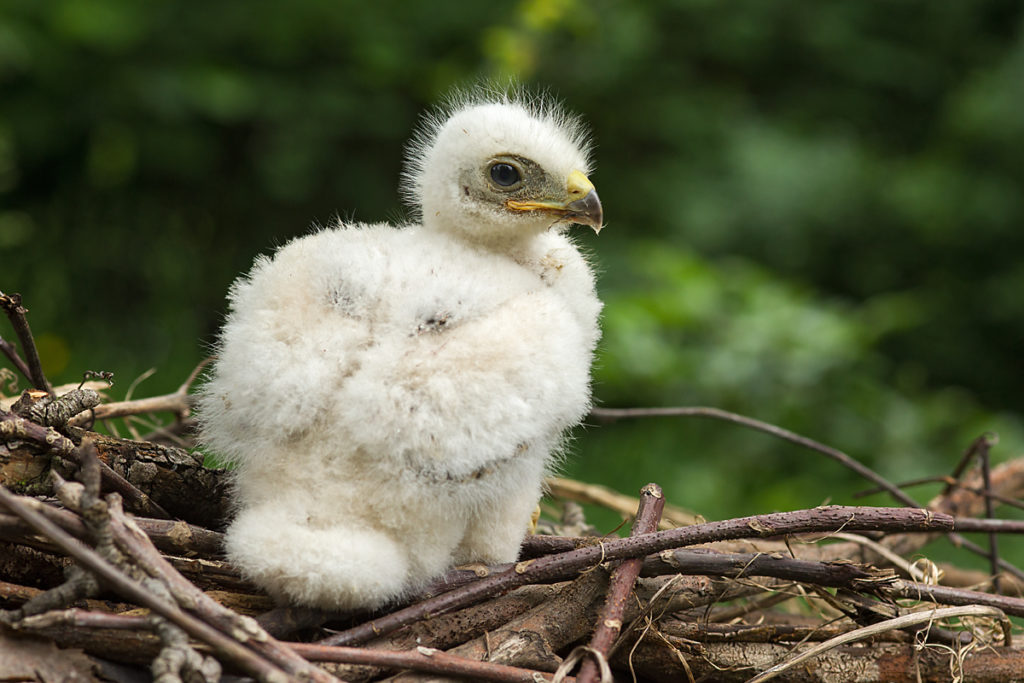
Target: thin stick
90, 559
16, 314
881, 627
961, 542
566, 565
993, 542
8, 349
951, 484
583, 492
614, 414
421, 659
178, 402
994, 496
831, 574
192, 376
609, 622
890, 557
986, 441
12, 426
171, 536
951, 596
993, 526
138, 546
81, 618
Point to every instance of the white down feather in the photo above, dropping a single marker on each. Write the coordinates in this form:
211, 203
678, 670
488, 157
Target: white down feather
392, 397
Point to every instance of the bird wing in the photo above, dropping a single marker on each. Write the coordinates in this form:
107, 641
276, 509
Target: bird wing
289, 336
399, 344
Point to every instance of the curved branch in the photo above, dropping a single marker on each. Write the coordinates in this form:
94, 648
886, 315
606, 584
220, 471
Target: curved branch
565, 565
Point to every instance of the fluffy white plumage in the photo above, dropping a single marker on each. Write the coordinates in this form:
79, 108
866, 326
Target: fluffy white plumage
392, 397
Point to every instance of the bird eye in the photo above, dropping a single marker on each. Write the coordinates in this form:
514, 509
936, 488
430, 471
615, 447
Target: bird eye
505, 175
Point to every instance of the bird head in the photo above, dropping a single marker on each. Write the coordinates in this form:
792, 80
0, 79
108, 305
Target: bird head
500, 171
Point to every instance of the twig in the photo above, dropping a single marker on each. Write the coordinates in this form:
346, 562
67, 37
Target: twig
81, 618
77, 584
830, 574
422, 659
539, 545
16, 314
946, 595
8, 349
974, 579
583, 492
177, 402
993, 539
170, 536
992, 526
888, 625
110, 525
12, 426
135, 542
88, 558
891, 557
738, 565
960, 541
17, 593
614, 414
950, 485
177, 659
564, 565
994, 497
946, 479
985, 441
192, 376
609, 622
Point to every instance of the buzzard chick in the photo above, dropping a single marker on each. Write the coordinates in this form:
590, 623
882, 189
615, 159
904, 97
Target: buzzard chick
391, 397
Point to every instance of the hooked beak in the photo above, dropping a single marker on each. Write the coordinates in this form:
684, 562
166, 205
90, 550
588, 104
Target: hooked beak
580, 206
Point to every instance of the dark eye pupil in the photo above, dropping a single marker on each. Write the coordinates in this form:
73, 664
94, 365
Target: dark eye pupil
504, 174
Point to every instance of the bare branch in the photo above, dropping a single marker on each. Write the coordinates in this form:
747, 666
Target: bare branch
9, 350
11, 303
89, 559
609, 623
14, 427
583, 492
422, 659
551, 567
614, 414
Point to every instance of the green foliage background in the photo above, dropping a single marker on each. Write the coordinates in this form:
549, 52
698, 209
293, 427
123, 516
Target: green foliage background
814, 209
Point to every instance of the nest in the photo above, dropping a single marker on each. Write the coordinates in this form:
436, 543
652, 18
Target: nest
111, 569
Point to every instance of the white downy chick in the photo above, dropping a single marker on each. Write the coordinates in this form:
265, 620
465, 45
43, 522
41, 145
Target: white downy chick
392, 397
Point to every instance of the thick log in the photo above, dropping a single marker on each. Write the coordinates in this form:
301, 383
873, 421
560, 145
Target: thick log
172, 477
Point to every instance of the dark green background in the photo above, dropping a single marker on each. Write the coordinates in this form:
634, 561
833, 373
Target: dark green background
814, 209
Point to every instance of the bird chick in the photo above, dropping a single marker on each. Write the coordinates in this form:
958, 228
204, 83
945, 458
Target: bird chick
392, 397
